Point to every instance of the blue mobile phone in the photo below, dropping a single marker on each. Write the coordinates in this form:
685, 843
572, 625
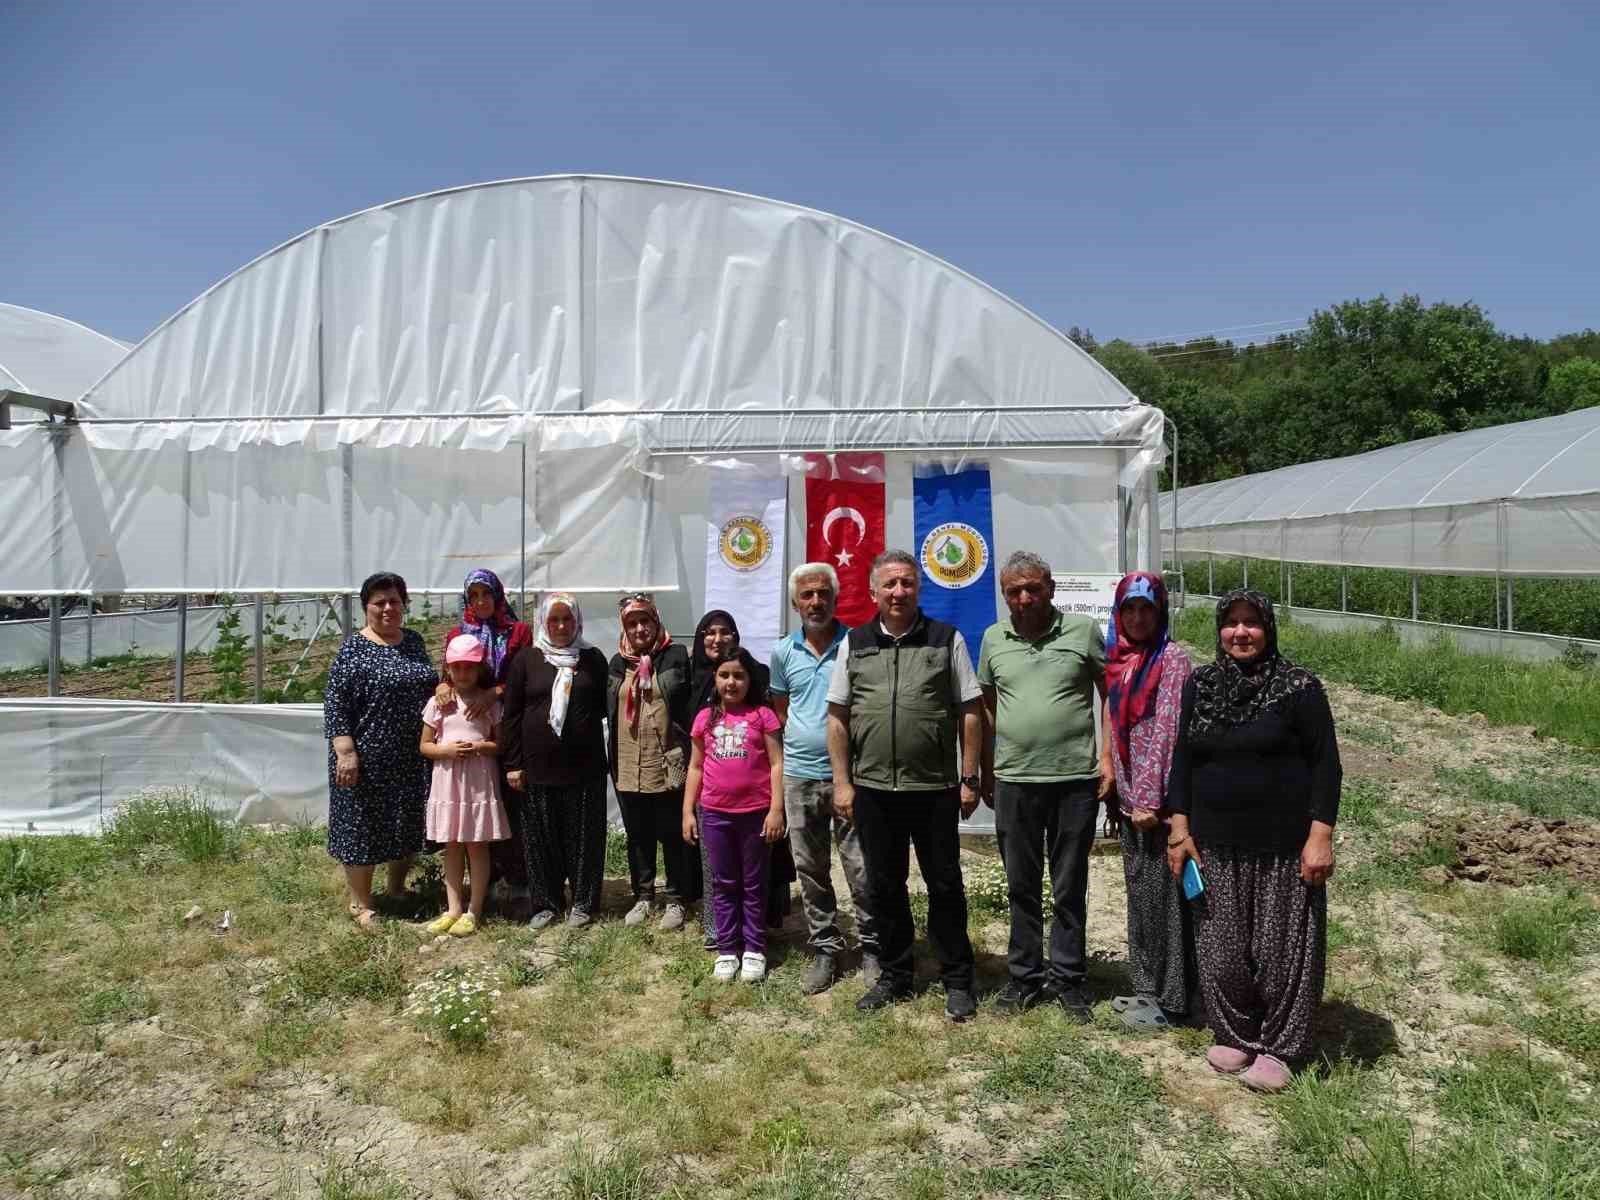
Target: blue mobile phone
1193, 885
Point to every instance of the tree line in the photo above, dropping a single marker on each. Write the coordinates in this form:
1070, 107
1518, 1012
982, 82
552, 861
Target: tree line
1361, 375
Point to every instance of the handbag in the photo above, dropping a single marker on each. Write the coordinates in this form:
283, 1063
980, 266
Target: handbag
677, 769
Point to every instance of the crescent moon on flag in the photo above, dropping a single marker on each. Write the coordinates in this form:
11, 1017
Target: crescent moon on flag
839, 514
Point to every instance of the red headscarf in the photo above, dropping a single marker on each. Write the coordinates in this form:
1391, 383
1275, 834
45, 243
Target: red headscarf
644, 669
1133, 669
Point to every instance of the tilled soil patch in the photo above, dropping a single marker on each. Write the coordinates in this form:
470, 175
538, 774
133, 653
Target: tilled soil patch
1510, 849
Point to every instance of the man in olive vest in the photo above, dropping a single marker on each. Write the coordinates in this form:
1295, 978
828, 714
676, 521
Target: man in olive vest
905, 743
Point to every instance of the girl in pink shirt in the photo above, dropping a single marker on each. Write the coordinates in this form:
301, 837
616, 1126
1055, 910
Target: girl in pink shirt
736, 781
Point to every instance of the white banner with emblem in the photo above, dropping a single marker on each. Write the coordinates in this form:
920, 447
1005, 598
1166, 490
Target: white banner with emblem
745, 526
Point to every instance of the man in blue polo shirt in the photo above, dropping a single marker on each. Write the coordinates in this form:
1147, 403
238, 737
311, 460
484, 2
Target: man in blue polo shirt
801, 668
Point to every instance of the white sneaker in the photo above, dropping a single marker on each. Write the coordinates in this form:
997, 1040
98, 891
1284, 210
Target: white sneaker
673, 917
754, 969
726, 968
637, 914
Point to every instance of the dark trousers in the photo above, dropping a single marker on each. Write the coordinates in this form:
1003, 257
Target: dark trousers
564, 842
889, 825
652, 819
1031, 820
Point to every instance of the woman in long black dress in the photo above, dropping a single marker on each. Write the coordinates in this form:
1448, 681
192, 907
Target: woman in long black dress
1254, 796
716, 638
555, 760
378, 684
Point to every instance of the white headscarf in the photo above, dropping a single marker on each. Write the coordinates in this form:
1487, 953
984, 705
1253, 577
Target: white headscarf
563, 658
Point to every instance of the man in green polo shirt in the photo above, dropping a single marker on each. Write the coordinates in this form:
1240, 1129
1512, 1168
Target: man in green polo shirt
1041, 672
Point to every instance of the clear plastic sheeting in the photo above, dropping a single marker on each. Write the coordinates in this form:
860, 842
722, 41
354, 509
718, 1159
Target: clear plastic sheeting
1520, 499
46, 355
73, 763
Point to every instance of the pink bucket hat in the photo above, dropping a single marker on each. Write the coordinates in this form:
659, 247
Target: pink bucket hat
464, 648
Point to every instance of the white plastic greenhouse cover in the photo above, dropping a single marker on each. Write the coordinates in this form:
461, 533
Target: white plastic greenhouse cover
46, 355
568, 342
1519, 499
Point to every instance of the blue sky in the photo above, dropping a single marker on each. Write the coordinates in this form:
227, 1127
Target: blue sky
1141, 170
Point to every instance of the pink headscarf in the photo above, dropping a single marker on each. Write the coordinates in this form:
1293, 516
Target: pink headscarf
644, 667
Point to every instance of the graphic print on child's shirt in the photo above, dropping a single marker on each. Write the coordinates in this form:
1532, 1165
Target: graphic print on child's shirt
728, 738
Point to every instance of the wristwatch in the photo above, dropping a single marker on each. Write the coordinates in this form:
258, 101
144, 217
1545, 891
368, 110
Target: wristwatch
970, 781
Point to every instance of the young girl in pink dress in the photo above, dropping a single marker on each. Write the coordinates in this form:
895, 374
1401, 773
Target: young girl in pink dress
464, 808
736, 781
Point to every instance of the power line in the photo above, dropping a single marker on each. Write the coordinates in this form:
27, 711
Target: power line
1222, 329
1230, 349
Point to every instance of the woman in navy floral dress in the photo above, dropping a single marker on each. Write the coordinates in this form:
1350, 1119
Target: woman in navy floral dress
372, 712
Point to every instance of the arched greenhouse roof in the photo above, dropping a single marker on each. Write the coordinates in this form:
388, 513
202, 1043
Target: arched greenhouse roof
1522, 498
573, 297
46, 355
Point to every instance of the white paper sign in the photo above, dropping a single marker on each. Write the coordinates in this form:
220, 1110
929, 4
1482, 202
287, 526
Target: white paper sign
1086, 595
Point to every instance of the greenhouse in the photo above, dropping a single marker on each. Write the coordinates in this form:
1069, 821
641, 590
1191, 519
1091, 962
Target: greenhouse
554, 378
1505, 502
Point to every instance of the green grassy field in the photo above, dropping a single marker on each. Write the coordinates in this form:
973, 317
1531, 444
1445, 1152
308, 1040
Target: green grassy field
145, 1053
1557, 699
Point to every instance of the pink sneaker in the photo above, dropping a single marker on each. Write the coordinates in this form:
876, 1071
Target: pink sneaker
1267, 1074
1225, 1060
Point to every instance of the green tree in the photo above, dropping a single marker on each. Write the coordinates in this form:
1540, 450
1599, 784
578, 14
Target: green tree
1573, 384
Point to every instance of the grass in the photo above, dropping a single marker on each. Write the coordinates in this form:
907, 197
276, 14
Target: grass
1557, 700
1547, 930
178, 820
1504, 1086
1549, 795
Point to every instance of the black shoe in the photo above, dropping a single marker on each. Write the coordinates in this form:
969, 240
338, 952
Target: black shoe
1074, 1003
959, 1004
819, 975
881, 995
1016, 998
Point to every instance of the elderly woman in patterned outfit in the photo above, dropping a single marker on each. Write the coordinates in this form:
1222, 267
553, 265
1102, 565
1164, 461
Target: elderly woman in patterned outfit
1145, 674
372, 714
1254, 795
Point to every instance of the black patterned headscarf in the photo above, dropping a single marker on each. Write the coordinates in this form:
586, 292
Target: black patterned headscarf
1228, 692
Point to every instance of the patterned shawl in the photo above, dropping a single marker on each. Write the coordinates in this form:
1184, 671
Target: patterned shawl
495, 633
643, 664
1228, 692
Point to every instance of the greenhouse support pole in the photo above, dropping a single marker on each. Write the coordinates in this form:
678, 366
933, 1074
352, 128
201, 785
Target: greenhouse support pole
1511, 605
1344, 589
183, 640
1245, 562
260, 624
522, 603
1211, 573
55, 646
1288, 595
88, 634
1416, 606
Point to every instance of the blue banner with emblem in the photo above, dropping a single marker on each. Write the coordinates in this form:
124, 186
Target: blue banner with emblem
955, 548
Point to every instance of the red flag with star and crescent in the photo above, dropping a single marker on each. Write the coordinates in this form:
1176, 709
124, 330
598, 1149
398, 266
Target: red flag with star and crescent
844, 526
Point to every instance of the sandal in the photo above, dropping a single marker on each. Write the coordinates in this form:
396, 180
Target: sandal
368, 918
1145, 1016
441, 923
1122, 1004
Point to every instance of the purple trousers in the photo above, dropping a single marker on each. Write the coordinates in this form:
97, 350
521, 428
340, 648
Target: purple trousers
739, 859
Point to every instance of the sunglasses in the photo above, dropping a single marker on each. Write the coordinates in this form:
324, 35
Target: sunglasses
631, 597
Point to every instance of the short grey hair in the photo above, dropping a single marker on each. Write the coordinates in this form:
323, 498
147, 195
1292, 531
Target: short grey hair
809, 570
902, 558
1025, 562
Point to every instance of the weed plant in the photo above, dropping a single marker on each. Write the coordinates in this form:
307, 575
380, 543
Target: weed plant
457, 1004
1547, 930
1504, 1087
179, 821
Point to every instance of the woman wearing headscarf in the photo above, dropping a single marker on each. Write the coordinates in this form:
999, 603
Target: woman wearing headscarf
555, 761
1254, 794
489, 617
647, 699
1145, 674
716, 638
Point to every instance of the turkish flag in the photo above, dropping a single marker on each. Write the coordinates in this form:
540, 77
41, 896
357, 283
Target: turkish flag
844, 526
